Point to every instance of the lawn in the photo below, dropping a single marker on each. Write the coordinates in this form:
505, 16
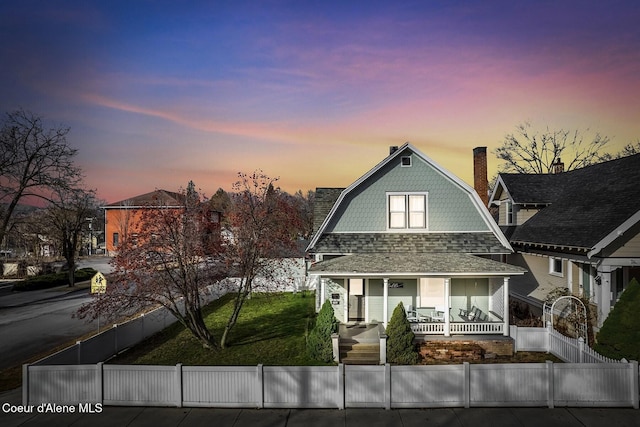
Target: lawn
271, 330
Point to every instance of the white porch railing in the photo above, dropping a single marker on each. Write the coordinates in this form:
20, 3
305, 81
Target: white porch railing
438, 328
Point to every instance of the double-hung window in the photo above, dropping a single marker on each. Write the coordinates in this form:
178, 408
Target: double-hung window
407, 211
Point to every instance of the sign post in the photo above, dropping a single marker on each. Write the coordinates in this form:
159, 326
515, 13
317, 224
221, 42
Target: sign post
98, 286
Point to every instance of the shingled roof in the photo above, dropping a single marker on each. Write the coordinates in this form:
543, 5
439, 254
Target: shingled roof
585, 205
434, 264
154, 198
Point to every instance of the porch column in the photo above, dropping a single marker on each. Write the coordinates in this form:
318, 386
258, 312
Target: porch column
505, 308
385, 301
323, 291
447, 307
604, 294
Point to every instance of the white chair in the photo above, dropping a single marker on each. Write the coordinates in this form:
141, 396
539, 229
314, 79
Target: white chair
438, 314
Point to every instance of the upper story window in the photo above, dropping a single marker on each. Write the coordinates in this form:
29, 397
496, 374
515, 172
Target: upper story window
508, 212
407, 211
556, 266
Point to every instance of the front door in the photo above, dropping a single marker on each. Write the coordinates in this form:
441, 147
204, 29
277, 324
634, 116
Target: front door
356, 300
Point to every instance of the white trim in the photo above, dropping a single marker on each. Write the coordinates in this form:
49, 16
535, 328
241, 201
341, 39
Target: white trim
611, 237
552, 270
482, 210
342, 274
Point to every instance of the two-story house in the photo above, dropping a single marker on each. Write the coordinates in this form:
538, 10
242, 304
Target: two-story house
409, 231
122, 217
577, 230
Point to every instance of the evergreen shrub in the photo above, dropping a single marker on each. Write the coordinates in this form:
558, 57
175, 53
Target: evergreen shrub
319, 344
620, 334
400, 347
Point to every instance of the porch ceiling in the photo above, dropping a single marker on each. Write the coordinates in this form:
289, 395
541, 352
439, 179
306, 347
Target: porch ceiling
425, 264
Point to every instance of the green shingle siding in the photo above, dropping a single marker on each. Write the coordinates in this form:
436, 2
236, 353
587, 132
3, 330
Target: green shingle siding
449, 208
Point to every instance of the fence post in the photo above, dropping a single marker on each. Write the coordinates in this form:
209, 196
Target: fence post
79, 353
467, 384
635, 395
260, 373
340, 398
550, 393
383, 348
387, 386
548, 340
335, 342
179, 385
100, 382
513, 331
25, 384
580, 350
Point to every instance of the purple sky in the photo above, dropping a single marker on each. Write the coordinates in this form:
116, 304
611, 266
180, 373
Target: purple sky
158, 93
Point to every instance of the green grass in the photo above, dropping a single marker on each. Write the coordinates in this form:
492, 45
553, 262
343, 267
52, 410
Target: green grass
271, 330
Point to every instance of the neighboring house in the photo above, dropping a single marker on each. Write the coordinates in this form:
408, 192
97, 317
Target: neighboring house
577, 230
121, 218
409, 231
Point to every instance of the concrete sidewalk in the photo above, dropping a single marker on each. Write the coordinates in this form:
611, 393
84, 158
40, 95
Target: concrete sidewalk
195, 417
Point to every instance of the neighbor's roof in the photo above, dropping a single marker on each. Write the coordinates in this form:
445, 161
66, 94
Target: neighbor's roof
427, 264
154, 198
588, 206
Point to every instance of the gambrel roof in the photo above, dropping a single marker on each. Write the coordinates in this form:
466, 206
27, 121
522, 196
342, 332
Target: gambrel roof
587, 208
330, 239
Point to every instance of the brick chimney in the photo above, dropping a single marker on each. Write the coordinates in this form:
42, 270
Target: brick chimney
557, 167
480, 180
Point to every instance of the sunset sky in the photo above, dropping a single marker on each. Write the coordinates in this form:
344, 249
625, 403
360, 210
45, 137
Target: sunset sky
158, 93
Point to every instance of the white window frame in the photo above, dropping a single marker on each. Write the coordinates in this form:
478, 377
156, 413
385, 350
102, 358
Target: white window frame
407, 225
552, 266
508, 212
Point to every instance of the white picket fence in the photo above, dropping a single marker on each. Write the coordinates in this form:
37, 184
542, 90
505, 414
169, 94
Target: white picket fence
384, 386
573, 350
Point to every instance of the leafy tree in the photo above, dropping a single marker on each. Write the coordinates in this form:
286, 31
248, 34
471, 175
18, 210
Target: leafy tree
620, 334
172, 261
529, 151
400, 347
33, 162
262, 226
67, 216
304, 206
319, 343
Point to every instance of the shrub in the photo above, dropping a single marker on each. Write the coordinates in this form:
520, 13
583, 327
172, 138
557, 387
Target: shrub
46, 281
400, 347
620, 333
319, 344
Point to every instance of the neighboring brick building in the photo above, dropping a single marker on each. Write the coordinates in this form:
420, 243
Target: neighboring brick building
121, 217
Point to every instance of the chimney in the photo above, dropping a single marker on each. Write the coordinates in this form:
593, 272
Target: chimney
480, 180
393, 149
557, 167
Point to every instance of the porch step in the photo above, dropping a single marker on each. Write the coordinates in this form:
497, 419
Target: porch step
354, 353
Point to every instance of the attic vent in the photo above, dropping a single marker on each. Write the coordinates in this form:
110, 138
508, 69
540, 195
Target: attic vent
406, 161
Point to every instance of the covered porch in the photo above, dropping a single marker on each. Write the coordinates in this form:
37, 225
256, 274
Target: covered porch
444, 294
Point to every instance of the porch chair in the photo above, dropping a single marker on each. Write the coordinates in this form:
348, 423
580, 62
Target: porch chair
438, 314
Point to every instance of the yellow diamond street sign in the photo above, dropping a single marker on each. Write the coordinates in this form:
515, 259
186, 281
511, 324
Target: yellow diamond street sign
98, 284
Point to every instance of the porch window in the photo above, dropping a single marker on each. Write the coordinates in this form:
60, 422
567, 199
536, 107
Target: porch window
116, 239
407, 211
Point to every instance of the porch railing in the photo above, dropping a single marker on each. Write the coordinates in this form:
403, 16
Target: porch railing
438, 328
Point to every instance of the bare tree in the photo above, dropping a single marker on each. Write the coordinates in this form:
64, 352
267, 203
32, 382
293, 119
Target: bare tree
530, 151
264, 228
171, 261
33, 161
67, 215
